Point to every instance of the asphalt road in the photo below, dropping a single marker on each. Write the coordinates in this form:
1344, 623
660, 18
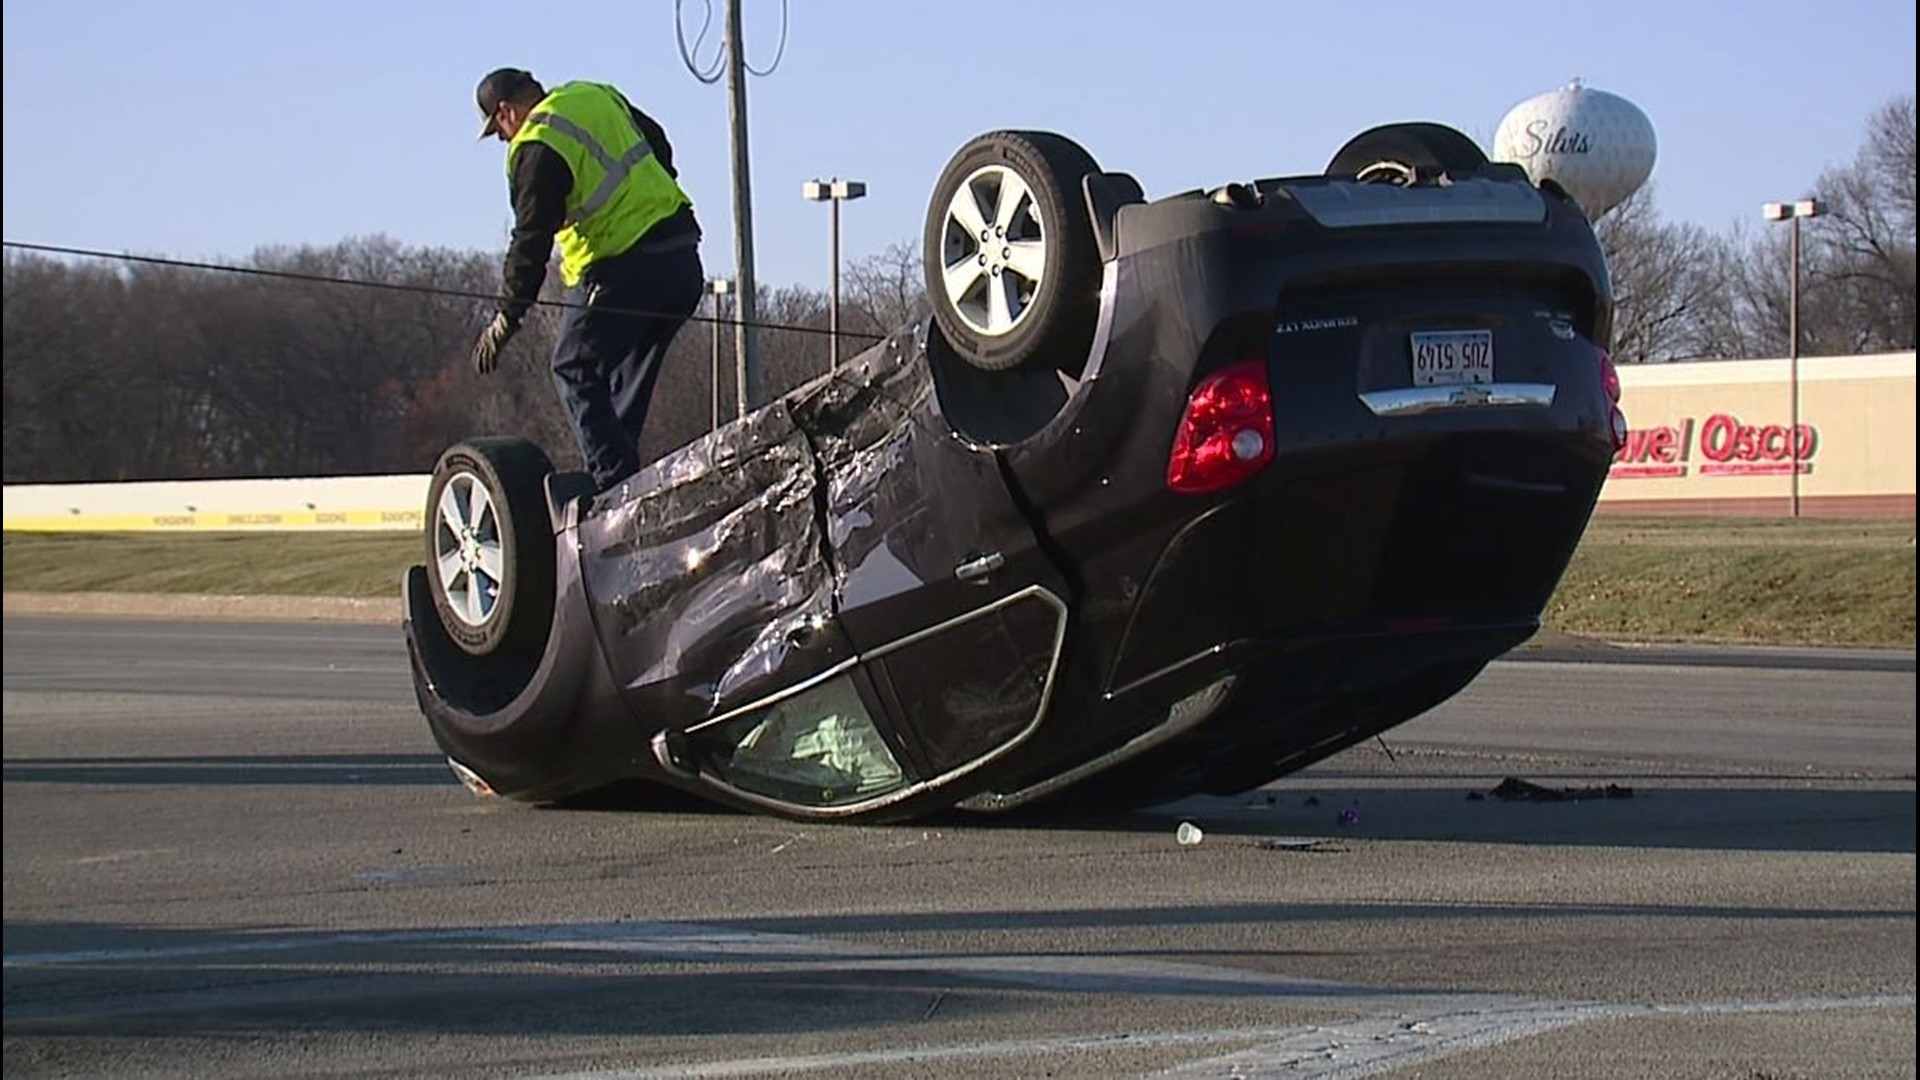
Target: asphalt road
231, 850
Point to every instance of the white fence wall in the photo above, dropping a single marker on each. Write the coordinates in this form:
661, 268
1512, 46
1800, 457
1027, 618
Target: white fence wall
355, 503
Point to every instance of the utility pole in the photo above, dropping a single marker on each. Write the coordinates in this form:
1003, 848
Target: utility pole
746, 362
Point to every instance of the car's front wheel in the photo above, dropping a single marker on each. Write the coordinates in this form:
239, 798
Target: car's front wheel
490, 545
1012, 269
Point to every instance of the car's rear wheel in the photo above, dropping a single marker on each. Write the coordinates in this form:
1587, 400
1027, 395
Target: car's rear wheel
1401, 153
1012, 270
490, 545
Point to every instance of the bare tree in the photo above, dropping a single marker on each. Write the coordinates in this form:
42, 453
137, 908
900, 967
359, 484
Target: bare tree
1732, 320
1661, 281
884, 291
1856, 261
1861, 254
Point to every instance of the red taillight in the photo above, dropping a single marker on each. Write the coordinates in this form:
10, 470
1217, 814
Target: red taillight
1226, 432
1609, 375
1610, 381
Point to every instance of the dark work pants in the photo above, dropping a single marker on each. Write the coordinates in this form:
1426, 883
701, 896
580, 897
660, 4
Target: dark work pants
611, 348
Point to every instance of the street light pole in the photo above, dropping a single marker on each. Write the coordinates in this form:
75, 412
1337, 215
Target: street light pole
833, 292
1792, 213
835, 191
720, 287
1793, 359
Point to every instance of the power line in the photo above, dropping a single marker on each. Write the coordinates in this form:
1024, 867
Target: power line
689, 55
712, 74
778, 52
390, 286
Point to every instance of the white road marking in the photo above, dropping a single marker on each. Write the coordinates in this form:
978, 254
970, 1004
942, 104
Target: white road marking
1376, 1045
1364, 1048
1390, 1029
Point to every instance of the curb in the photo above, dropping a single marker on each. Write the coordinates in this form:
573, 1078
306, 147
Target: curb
261, 608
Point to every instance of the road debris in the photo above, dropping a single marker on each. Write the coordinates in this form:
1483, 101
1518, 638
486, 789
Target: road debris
1300, 843
1513, 789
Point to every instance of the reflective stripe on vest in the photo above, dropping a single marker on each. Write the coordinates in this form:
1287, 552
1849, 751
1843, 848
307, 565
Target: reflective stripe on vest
617, 170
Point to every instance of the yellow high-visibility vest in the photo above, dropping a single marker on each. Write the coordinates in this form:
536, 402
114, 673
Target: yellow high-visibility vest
620, 190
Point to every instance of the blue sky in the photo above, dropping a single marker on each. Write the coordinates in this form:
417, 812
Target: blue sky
207, 128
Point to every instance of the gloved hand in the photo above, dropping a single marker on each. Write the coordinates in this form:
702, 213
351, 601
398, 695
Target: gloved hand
486, 351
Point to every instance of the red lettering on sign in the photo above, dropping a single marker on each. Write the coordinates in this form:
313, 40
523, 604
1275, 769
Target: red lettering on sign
1645, 472
1717, 437
1754, 468
1662, 444
1723, 438
1724, 441
1773, 443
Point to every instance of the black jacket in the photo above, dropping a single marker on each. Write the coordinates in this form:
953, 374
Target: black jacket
538, 187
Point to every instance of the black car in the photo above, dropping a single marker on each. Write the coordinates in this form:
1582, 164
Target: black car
1165, 497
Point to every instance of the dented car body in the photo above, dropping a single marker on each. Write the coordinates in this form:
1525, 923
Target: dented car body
1321, 451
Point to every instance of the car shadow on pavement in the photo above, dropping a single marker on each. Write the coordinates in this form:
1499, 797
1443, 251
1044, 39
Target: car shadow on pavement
1644, 812
1748, 813
236, 769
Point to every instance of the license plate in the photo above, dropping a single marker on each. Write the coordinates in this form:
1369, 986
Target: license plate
1445, 357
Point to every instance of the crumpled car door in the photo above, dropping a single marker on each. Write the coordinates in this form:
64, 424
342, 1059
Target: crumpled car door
941, 584
709, 585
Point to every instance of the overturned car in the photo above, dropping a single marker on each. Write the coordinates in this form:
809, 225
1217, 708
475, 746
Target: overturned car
1165, 497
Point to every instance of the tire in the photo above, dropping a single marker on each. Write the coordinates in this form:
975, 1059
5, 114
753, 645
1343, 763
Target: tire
490, 546
1036, 299
1400, 152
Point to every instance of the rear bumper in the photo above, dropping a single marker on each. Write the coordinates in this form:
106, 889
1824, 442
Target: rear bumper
1432, 531
1243, 712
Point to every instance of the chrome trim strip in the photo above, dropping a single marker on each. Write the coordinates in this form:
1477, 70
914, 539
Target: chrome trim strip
1008, 600
851, 809
1103, 322
1211, 650
1139, 744
777, 696
1417, 400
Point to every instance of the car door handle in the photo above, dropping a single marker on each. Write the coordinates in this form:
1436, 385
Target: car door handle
980, 567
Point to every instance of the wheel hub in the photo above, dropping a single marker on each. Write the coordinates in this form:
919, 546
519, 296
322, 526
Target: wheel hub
994, 252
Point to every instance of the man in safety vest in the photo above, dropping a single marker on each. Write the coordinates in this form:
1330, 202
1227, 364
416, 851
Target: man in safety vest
588, 169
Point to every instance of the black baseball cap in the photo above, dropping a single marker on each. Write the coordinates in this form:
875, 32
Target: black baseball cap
500, 85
